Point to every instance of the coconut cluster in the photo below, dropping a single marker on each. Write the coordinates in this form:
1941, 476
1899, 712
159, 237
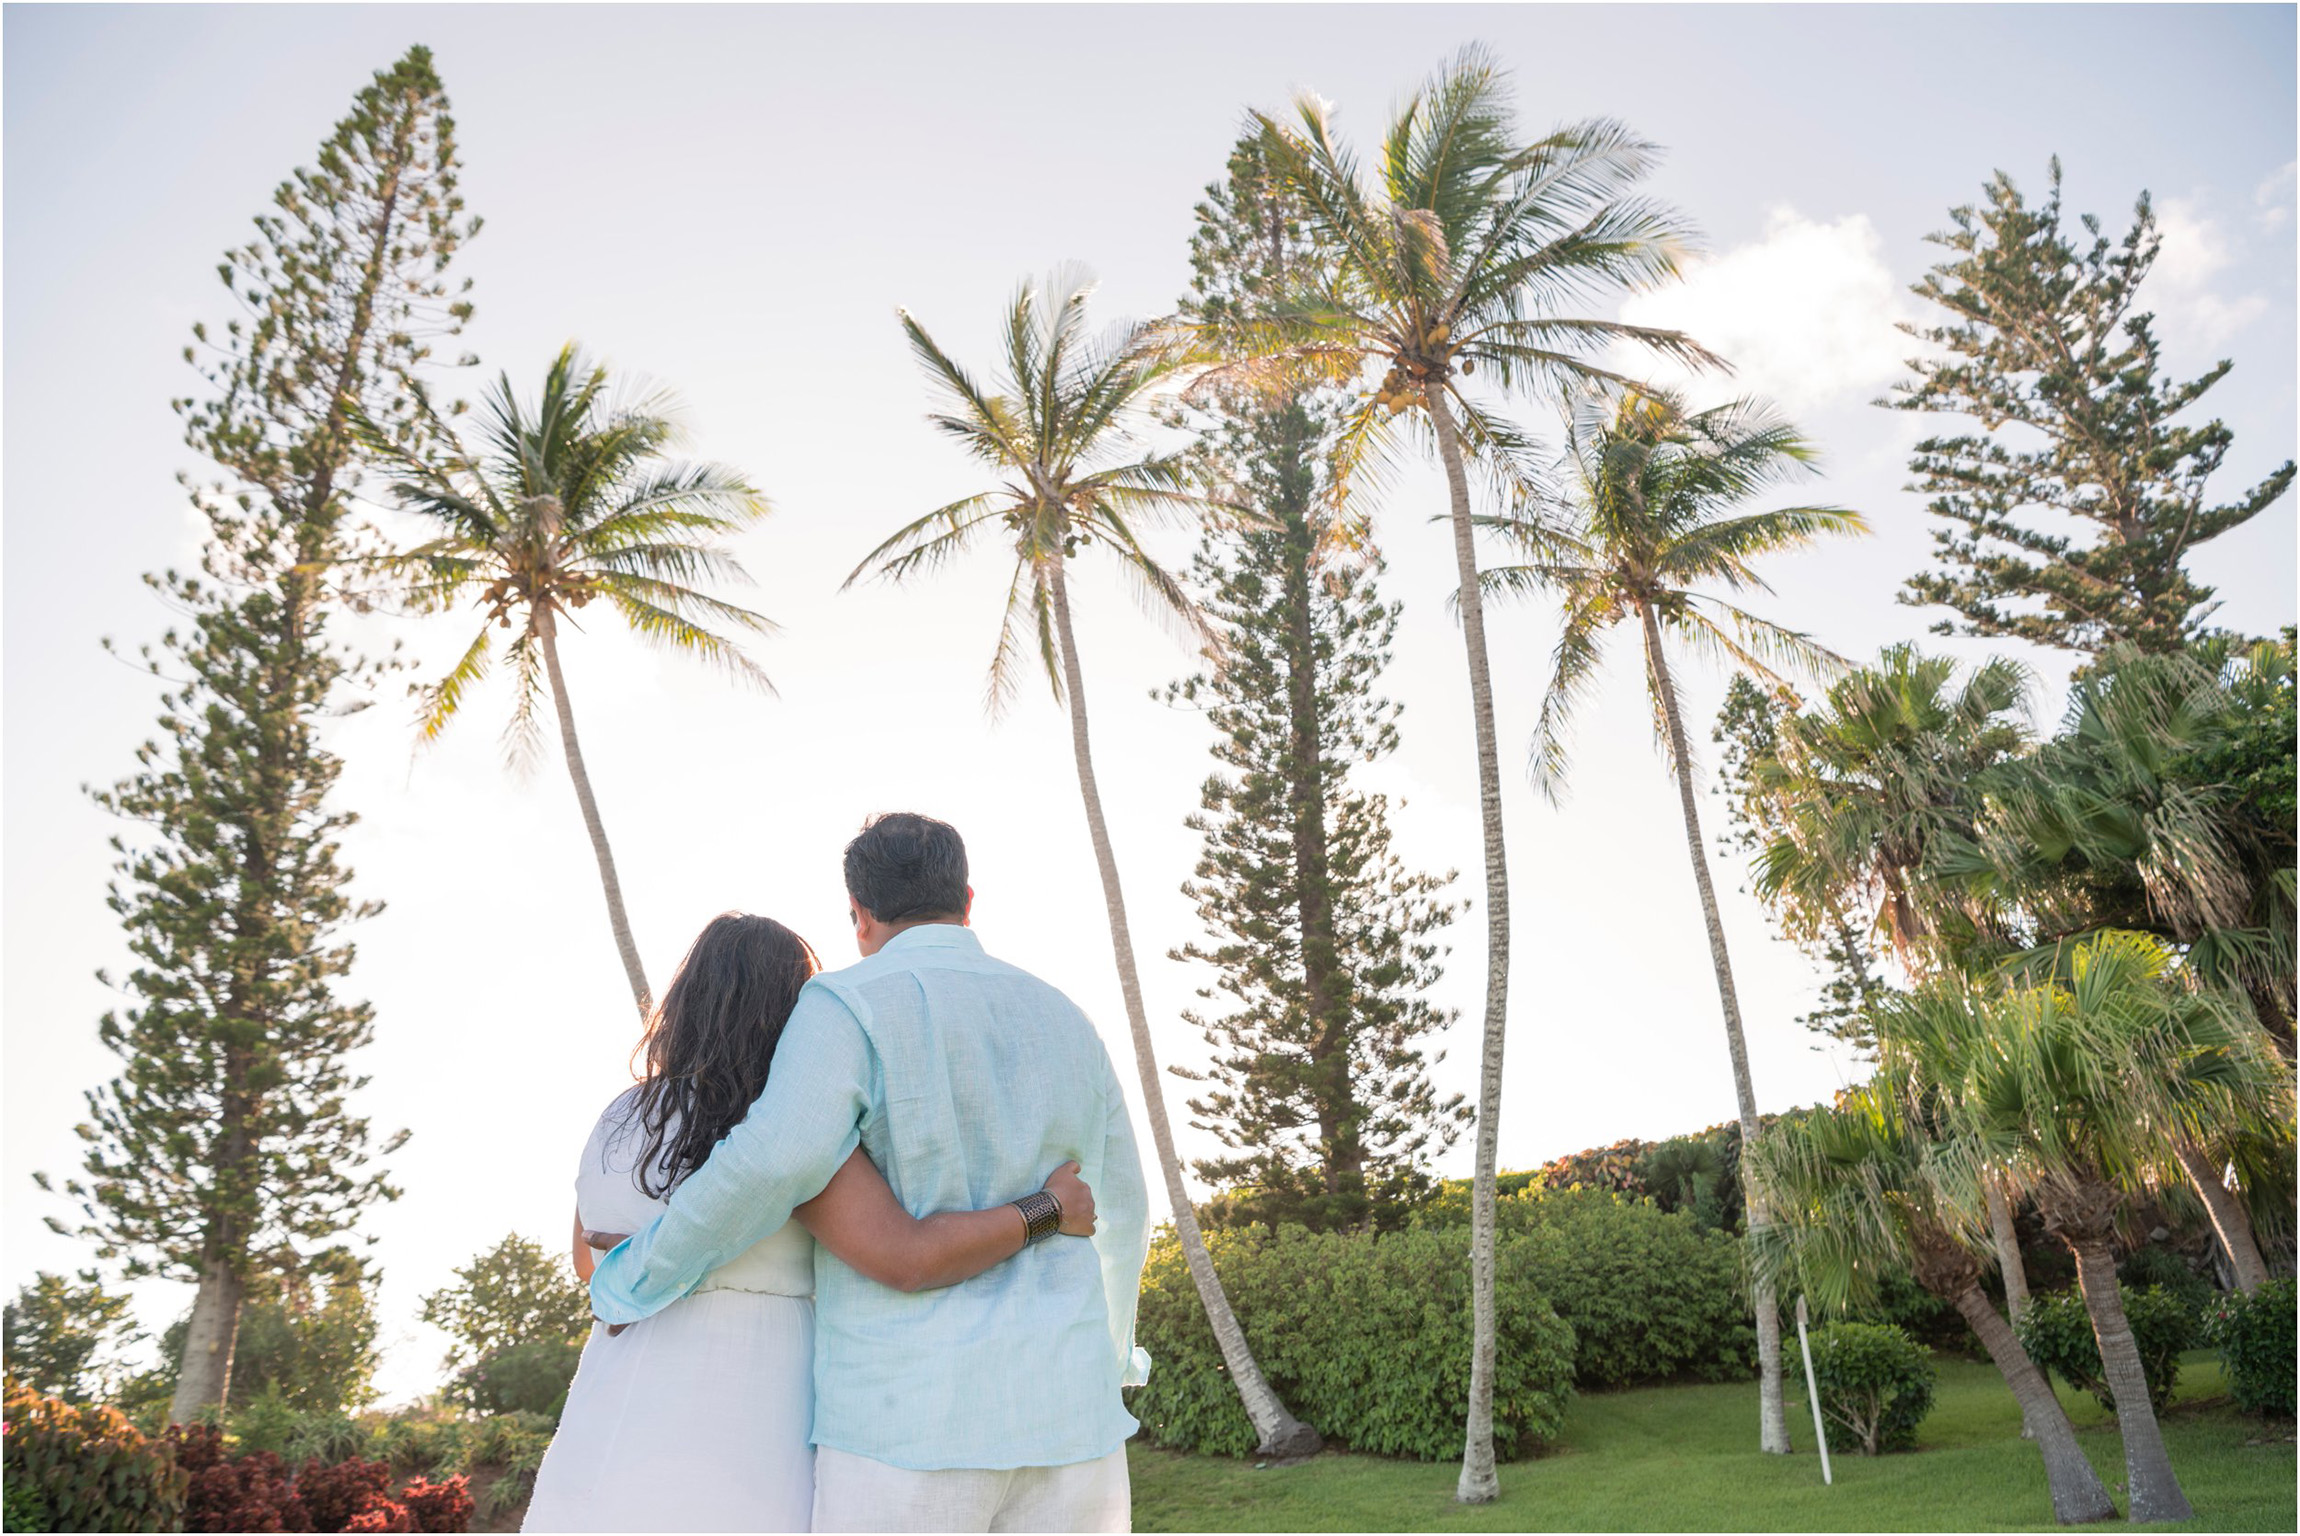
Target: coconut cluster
1402, 385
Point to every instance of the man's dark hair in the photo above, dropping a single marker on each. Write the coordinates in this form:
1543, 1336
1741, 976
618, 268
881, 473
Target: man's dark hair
903, 868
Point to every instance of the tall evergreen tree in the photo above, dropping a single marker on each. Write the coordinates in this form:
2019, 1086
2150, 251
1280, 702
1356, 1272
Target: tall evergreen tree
1323, 940
2045, 336
227, 1143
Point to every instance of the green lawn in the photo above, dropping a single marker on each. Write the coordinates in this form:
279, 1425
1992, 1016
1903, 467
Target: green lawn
1684, 1458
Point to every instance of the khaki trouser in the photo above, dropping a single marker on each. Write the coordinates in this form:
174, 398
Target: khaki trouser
855, 1493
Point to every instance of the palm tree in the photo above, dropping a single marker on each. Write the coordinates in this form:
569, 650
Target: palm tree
558, 503
1057, 432
1648, 517
2077, 1084
1867, 796
2118, 823
1861, 1189
1468, 248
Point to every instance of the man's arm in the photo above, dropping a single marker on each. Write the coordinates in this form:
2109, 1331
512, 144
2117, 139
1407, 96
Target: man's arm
783, 1153
1122, 1240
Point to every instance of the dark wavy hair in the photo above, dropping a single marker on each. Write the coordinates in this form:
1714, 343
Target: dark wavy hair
712, 1039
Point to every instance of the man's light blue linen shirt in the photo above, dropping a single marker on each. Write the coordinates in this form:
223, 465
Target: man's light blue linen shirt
967, 1081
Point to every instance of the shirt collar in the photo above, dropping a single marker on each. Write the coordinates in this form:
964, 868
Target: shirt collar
933, 936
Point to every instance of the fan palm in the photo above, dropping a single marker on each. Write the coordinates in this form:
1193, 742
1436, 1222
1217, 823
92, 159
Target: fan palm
1866, 795
1465, 248
1869, 790
1859, 1190
2114, 824
558, 503
1056, 432
1647, 518
2078, 1085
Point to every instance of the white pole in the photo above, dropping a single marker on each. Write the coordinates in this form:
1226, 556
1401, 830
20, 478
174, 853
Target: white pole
1813, 1391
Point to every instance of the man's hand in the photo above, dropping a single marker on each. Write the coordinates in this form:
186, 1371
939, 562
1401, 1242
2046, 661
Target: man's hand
1077, 1198
606, 1240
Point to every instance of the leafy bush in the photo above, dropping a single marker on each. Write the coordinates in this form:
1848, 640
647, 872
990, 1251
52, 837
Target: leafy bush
1651, 1295
2256, 1336
21, 1507
84, 1468
1931, 1320
233, 1493
1366, 1335
1875, 1384
439, 1507
268, 1422
526, 1378
2057, 1333
2154, 1265
334, 1496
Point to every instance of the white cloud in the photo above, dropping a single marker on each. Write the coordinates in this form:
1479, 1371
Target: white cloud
2180, 290
1805, 315
2272, 199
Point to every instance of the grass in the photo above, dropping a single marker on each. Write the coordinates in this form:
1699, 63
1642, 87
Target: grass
1685, 1459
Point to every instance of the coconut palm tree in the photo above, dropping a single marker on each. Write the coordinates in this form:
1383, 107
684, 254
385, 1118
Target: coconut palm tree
1056, 431
1465, 248
1648, 517
1867, 796
554, 504
2077, 1084
1861, 1189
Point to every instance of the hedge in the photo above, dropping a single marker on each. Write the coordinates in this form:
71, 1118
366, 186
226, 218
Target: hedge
2257, 1338
1652, 1295
2057, 1333
1365, 1335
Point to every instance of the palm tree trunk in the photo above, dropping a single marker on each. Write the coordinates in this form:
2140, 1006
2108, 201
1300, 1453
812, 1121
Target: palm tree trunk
1479, 1483
204, 1372
1281, 1433
2077, 1495
2006, 1239
547, 631
2154, 1492
2230, 1220
1772, 1416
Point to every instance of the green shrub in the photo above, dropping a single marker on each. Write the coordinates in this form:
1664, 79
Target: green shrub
1365, 1335
1652, 1295
526, 1378
2153, 1265
1931, 1320
21, 1507
86, 1468
268, 1422
1875, 1383
2257, 1337
2057, 1333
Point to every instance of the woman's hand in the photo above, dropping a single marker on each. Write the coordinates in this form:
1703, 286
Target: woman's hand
602, 1241
1077, 1198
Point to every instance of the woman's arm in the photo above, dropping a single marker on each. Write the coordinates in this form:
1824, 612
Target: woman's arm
585, 1258
858, 1218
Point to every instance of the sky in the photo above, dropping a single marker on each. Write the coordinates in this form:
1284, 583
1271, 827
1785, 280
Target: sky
732, 202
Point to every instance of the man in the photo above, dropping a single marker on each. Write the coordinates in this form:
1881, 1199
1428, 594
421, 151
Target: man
993, 1404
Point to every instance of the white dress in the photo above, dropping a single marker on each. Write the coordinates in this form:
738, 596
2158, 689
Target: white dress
698, 1418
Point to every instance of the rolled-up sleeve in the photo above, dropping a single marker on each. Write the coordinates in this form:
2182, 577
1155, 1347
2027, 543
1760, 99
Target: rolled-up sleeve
799, 1131
1122, 1235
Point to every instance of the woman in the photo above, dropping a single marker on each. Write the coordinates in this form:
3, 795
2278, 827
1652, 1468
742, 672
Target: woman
697, 1418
